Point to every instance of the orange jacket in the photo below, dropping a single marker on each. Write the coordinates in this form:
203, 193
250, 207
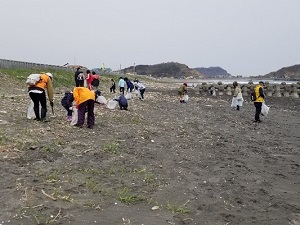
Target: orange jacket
82, 94
45, 83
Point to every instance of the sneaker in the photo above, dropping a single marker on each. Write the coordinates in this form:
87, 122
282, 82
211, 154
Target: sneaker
257, 121
90, 127
69, 118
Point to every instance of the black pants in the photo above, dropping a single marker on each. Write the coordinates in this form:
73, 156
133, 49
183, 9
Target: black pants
122, 90
113, 89
142, 91
70, 112
39, 98
258, 109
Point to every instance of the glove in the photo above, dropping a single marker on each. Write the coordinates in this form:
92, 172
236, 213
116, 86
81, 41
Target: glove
51, 103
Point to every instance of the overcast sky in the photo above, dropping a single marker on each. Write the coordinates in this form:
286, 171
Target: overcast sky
244, 37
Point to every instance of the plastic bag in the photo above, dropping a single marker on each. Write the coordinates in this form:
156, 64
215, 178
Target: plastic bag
30, 111
264, 109
111, 104
185, 98
101, 100
74, 117
234, 102
128, 96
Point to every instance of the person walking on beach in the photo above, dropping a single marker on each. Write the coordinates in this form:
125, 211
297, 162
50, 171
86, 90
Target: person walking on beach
259, 99
237, 100
121, 85
85, 100
112, 88
182, 90
38, 95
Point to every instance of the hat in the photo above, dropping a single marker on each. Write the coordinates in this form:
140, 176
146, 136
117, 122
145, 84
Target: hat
261, 82
49, 75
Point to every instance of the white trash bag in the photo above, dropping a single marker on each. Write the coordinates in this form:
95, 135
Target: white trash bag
30, 111
74, 117
101, 100
185, 98
128, 96
111, 104
264, 109
234, 102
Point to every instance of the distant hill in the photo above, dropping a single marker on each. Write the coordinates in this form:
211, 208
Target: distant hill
170, 69
211, 72
285, 73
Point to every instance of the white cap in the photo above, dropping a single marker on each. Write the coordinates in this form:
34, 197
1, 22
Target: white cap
50, 75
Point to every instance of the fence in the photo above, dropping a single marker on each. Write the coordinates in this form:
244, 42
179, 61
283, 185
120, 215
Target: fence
5, 63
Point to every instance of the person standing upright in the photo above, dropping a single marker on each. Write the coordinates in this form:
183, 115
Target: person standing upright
121, 85
89, 79
78, 77
237, 96
259, 99
112, 86
182, 90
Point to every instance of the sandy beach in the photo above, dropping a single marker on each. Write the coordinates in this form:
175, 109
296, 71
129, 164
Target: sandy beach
159, 163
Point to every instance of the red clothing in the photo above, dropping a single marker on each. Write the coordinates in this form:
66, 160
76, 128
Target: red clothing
89, 79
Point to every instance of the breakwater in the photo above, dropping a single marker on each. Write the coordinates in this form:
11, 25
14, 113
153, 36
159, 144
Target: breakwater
275, 90
5, 63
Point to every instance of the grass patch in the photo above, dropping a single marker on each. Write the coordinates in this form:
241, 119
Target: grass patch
112, 148
177, 209
125, 196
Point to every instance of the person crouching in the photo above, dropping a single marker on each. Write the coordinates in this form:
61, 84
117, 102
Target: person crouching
123, 103
85, 100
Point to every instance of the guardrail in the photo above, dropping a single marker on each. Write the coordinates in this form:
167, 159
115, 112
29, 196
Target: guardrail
5, 63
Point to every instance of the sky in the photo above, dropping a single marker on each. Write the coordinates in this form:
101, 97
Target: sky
244, 37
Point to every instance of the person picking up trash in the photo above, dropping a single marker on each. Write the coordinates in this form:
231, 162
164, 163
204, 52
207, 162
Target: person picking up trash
37, 84
85, 100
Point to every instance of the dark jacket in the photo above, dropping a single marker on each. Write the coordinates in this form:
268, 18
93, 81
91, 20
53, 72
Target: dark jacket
123, 101
129, 84
67, 100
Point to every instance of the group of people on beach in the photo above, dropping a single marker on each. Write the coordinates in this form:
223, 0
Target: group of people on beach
86, 91
257, 95
82, 97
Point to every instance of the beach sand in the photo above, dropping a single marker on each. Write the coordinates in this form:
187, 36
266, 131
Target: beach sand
159, 163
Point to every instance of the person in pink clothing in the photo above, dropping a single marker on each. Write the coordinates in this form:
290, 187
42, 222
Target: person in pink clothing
89, 79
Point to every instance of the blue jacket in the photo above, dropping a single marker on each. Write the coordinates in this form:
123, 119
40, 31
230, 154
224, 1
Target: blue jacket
121, 83
123, 101
129, 84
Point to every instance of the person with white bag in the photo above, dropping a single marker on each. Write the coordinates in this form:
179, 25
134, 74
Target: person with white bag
259, 97
182, 93
237, 100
